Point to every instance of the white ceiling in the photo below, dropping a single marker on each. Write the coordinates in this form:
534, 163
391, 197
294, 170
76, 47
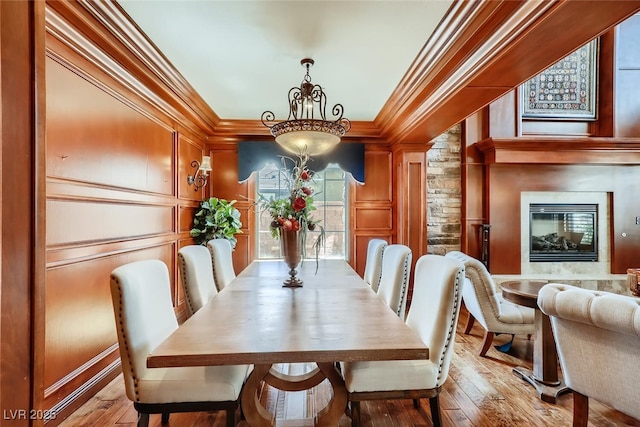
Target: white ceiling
242, 57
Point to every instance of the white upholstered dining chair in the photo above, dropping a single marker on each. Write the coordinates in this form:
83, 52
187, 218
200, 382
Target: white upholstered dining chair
597, 336
373, 266
196, 274
483, 299
394, 279
141, 294
433, 315
222, 260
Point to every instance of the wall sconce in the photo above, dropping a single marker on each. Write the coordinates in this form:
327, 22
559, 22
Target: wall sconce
200, 176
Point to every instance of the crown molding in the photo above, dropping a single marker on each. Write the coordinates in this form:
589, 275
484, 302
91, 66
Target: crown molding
102, 33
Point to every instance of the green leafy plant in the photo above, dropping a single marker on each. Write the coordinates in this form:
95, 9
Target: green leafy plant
216, 219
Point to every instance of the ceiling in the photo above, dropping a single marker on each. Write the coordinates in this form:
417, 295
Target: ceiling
242, 57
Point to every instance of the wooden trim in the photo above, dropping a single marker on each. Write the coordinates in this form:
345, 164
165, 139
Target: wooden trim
22, 240
40, 203
65, 407
570, 151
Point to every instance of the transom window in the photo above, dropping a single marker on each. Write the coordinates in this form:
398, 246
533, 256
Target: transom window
330, 198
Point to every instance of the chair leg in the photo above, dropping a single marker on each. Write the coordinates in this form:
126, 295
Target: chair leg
355, 414
486, 344
470, 321
231, 417
165, 417
143, 420
416, 403
434, 404
580, 410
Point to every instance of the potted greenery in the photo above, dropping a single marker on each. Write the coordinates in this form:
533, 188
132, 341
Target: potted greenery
216, 219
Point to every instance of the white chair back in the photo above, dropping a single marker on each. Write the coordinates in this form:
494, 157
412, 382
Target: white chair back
396, 266
196, 273
435, 307
373, 266
483, 295
223, 271
484, 302
597, 335
141, 294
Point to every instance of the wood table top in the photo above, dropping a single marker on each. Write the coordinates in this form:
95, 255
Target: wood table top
335, 316
522, 292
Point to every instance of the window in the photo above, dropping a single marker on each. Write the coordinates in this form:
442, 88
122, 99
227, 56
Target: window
330, 198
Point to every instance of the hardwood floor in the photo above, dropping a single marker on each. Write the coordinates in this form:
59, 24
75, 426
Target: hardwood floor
480, 392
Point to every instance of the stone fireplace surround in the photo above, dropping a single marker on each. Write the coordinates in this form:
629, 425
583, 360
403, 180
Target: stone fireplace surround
588, 275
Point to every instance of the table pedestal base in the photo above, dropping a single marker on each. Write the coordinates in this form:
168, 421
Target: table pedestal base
546, 392
256, 414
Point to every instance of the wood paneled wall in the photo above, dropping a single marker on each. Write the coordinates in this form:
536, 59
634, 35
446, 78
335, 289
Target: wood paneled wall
224, 184
116, 171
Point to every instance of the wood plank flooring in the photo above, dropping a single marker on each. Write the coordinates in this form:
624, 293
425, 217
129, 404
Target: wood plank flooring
480, 392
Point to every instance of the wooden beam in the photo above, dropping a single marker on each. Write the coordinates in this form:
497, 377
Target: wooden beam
481, 51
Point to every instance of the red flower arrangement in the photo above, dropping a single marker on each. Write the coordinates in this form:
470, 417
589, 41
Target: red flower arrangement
294, 211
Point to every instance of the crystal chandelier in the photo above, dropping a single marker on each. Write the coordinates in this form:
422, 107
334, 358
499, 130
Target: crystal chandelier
307, 129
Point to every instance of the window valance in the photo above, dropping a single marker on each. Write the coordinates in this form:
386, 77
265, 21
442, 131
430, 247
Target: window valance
253, 156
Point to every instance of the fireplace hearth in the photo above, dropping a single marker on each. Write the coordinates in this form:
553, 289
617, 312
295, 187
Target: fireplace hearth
562, 232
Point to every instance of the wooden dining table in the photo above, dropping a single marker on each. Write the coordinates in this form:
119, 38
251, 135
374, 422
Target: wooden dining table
333, 317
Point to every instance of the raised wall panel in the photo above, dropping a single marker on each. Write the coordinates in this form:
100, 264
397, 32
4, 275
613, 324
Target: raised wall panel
411, 205
224, 177
378, 178
472, 208
93, 137
412, 194
76, 222
79, 318
185, 218
225, 185
371, 210
373, 218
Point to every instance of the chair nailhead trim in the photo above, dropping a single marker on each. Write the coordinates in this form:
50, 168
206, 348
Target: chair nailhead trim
126, 345
451, 325
403, 289
187, 294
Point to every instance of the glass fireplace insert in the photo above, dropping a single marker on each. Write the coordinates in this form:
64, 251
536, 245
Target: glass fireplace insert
563, 232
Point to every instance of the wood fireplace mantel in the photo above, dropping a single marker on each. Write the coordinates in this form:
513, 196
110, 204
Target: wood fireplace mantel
541, 150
